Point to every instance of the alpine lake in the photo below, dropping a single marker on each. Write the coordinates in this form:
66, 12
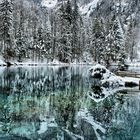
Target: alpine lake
54, 103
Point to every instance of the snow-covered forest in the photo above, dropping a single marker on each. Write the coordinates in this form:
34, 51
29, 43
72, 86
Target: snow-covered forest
102, 31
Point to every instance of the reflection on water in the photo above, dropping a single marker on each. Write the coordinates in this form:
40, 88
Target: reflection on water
53, 103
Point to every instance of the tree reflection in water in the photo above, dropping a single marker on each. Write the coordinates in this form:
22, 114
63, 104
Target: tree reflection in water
62, 103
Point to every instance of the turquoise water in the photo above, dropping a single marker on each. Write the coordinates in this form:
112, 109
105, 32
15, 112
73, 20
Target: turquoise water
54, 103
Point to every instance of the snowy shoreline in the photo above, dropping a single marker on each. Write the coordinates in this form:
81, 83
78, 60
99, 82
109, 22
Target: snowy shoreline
107, 77
44, 63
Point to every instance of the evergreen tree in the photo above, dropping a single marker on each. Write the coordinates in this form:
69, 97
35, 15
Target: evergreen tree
130, 42
20, 39
48, 41
68, 12
34, 40
115, 40
98, 40
76, 50
5, 28
40, 43
64, 35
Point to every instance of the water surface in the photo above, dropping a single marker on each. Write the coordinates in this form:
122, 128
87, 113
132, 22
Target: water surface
54, 103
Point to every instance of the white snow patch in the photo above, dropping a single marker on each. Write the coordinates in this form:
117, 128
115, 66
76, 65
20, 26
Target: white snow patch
134, 64
2, 63
43, 127
56, 62
131, 79
87, 9
46, 123
75, 62
49, 3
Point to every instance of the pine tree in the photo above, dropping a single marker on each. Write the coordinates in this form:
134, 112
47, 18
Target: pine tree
48, 41
5, 28
34, 40
64, 35
68, 12
40, 43
68, 31
98, 40
76, 50
130, 42
20, 39
115, 40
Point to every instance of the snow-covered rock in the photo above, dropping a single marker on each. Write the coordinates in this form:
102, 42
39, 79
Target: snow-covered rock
109, 79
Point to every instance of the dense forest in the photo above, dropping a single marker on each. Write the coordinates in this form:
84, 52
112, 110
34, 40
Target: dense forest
71, 31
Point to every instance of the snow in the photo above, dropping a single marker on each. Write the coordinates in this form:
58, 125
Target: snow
39, 63
46, 62
131, 79
49, 3
84, 114
2, 63
56, 62
46, 123
110, 78
75, 62
134, 64
87, 9
29, 62
106, 76
43, 127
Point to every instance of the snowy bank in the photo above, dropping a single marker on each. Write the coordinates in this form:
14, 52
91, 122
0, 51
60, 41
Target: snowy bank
2, 63
109, 79
45, 62
134, 64
38, 63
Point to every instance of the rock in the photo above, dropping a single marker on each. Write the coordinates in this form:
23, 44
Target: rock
107, 78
